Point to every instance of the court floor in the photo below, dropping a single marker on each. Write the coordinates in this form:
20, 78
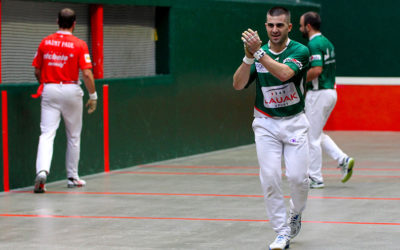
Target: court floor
211, 201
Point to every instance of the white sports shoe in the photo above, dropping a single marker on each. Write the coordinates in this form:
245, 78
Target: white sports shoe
40, 180
316, 184
346, 168
281, 242
76, 182
294, 222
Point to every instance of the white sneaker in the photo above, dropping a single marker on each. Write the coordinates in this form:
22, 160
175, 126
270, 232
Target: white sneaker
346, 168
281, 242
76, 182
40, 180
316, 184
294, 222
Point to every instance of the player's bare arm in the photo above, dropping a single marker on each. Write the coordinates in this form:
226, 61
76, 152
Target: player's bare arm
37, 74
279, 70
88, 79
242, 74
313, 73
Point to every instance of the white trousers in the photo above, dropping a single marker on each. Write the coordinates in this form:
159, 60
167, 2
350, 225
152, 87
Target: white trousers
60, 100
275, 138
319, 105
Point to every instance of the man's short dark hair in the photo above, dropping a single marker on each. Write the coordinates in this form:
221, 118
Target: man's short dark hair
66, 18
277, 11
313, 19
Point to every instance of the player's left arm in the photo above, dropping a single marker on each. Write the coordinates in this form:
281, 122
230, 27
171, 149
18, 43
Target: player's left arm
281, 71
37, 62
38, 72
316, 61
298, 61
314, 73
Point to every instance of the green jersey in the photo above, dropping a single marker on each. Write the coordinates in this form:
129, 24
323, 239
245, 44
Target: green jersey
277, 98
323, 54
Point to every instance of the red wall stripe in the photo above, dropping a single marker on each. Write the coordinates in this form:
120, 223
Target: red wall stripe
106, 129
96, 20
4, 131
0, 43
4, 127
366, 107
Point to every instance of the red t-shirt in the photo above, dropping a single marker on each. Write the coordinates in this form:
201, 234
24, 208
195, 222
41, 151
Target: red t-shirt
60, 56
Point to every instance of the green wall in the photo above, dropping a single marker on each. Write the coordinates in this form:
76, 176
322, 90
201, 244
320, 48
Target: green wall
191, 110
195, 108
23, 138
364, 34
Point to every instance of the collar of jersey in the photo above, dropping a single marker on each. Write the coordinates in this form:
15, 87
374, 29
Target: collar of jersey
64, 32
277, 53
317, 34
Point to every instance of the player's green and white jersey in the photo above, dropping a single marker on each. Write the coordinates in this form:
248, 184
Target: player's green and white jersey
277, 98
323, 54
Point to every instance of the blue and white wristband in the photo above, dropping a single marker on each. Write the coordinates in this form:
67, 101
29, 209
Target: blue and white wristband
259, 53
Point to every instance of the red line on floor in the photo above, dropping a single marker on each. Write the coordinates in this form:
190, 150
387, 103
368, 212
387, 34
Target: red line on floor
240, 174
180, 173
354, 198
144, 194
367, 169
355, 223
252, 167
201, 167
368, 163
186, 219
209, 195
364, 176
122, 217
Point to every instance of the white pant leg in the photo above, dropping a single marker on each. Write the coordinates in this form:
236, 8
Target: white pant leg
49, 122
319, 105
72, 115
269, 153
330, 147
296, 155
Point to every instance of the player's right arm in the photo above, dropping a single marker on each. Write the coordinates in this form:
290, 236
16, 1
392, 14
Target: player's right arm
241, 76
88, 79
38, 61
85, 64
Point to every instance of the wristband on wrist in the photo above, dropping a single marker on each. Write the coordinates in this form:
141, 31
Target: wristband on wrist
248, 61
93, 96
259, 53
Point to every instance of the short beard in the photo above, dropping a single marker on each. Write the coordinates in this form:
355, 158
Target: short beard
305, 34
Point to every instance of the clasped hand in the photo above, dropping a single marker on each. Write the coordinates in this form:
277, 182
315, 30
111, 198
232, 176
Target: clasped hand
251, 41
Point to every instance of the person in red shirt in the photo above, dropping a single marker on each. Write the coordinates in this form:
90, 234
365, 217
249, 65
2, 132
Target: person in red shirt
57, 62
